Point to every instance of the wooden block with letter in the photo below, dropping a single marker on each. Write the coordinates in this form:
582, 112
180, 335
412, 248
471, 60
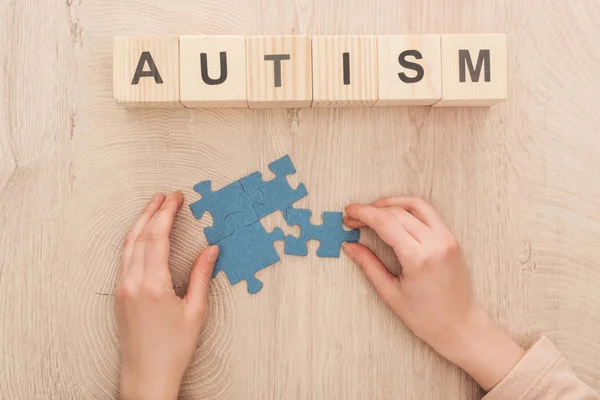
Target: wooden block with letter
212, 71
410, 70
146, 71
474, 70
279, 71
344, 71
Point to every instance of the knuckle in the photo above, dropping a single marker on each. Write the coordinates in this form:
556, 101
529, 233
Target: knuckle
450, 247
418, 201
383, 217
424, 258
383, 202
452, 244
151, 235
126, 292
129, 239
168, 205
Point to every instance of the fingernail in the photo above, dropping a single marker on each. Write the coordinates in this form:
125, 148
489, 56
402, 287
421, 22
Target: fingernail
156, 196
348, 250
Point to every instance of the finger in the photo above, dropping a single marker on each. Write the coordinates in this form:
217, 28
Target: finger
131, 237
353, 223
385, 202
418, 207
200, 277
413, 226
156, 236
382, 280
385, 224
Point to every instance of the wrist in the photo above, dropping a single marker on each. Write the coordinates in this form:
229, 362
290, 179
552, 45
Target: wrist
483, 350
134, 387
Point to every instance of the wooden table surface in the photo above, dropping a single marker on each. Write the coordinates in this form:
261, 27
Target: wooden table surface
518, 184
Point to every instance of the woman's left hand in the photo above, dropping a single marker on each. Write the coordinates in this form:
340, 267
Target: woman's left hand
158, 331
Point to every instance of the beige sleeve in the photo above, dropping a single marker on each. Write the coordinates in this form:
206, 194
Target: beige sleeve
542, 374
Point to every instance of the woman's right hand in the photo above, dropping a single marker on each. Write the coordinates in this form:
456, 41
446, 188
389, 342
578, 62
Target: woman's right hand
432, 295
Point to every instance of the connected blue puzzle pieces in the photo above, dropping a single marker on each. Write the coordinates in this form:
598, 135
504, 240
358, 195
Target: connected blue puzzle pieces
245, 246
330, 234
246, 251
222, 203
276, 194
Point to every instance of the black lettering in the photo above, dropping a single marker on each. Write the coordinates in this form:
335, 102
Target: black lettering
204, 69
418, 68
277, 58
146, 57
483, 62
346, 62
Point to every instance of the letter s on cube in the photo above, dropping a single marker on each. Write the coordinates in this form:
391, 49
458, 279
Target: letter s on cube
410, 70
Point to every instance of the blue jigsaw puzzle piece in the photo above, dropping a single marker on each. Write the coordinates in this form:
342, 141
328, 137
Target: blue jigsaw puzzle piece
222, 203
246, 251
330, 234
276, 194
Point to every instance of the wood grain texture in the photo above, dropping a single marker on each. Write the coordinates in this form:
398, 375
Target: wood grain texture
403, 55
283, 81
227, 86
344, 71
479, 79
146, 71
518, 184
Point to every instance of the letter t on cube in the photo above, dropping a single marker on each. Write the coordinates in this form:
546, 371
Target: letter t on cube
474, 70
279, 71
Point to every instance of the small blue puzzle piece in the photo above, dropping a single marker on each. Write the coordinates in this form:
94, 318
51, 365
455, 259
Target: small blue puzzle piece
276, 194
246, 251
331, 234
222, 203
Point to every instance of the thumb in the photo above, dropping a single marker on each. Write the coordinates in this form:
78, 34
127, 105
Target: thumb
382, 280
200, 277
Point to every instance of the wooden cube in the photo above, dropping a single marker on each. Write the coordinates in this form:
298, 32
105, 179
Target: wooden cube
474, 70
146, 71
212, 71
279, 71
410, 70
344, 71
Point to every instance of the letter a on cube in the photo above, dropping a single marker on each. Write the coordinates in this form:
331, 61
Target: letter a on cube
146, 71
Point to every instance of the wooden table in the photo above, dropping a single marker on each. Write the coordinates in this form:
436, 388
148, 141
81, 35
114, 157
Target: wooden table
518, 184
